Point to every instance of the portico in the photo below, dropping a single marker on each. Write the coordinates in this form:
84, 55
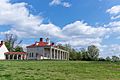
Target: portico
57, 54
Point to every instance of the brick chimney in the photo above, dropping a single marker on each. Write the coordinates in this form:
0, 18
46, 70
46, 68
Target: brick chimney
41, 39
52, 44
1, 43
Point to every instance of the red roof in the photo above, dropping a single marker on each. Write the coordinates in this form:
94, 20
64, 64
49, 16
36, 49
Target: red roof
15, 53
40, 44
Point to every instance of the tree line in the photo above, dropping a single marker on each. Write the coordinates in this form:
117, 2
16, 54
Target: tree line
89, 54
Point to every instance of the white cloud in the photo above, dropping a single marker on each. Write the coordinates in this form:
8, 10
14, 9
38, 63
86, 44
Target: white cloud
60, 2
82, 29
66, 4
114, 12
55, 2
78, 33
110, 50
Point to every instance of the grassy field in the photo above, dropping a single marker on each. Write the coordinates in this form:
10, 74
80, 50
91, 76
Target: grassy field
59, 70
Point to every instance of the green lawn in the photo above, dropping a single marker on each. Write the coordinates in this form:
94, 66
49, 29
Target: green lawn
59, 70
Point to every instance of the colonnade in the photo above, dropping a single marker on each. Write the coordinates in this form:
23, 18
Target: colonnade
59, 54
15, 56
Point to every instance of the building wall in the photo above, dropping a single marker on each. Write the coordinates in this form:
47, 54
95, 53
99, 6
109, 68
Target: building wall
35, 53
3, 49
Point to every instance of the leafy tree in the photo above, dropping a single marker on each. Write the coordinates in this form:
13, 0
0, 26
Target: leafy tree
84, 54
11, 41
115, 58
101, 59
78, 56
73, 55
108, 58
93, 52
18, 49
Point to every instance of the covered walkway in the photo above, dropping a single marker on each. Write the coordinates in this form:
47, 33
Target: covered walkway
15, 56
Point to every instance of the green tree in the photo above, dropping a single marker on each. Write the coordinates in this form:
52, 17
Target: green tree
108, 58
84, 54
72, 54
79, 55
93, 52
11, 41
18, 49
115, 58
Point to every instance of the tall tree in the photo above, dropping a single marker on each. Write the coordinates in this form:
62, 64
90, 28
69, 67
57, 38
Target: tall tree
84, 54
11, 41
93, 52
108, 58
115, 58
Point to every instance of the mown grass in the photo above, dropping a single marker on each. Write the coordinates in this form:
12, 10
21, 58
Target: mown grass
59, 70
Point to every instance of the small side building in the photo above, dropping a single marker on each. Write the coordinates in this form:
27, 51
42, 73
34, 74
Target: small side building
6, 55
46, 50
3, 49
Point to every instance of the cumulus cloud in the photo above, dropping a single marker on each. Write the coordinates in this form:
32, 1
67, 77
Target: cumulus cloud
60, 2
110, 50
26, 25
82, 29
114, 12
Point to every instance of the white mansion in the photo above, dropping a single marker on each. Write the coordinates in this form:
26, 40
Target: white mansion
46, 50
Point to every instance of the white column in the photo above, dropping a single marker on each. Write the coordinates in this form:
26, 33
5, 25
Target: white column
17, 56
54, 53
43, 53
50, 53
8, 57
13, 56
57, 54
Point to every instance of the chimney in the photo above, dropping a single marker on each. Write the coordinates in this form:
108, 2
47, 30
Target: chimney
41, 39
48, 41
52, 44
1, 43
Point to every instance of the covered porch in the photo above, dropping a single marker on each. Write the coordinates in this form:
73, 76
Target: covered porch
15, 55
55, 53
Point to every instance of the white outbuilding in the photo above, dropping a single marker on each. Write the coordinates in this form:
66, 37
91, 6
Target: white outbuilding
3, 49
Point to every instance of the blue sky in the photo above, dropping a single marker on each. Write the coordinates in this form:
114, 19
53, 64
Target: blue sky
91, 11
78, 22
